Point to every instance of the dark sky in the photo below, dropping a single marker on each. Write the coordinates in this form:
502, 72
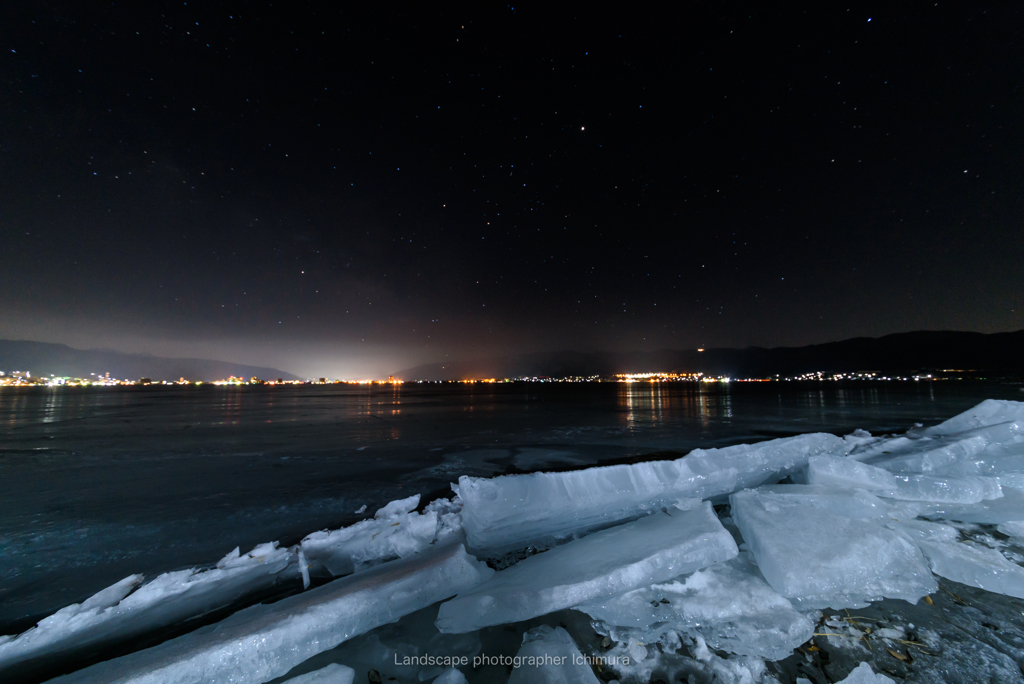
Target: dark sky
339, 192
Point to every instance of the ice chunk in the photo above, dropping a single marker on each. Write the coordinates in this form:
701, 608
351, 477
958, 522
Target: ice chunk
923, 530
988, 412
819, 559
1013, 528
863, 674
728, 604
396, 531
550, 656
511, 512
332, 674
849, 503
451, 676
449, 518
652, 549
115, 614
974, 565
846, 472
266, 641
1009, 507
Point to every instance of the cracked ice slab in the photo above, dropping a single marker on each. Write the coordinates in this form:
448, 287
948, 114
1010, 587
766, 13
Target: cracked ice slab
728, 604
612, 561
510, 512
131, 608
263, 642
846, 472
818, 559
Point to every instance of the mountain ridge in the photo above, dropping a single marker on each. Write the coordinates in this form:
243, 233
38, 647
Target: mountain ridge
921, 350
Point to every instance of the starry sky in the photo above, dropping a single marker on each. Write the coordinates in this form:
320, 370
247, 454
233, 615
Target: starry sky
347, 191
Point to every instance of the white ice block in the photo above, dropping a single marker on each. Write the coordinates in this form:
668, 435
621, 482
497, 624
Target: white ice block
332, 674
1013, 528
396, 531
1004, 509
550, 656
130, 608
728, 604
266, 641
863, 674
846, 472
818, 559
451, 676
639, 553
511, 512
988, 412
849, 503
974, 565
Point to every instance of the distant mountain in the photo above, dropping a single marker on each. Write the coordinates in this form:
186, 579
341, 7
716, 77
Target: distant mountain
42, 358
904, 352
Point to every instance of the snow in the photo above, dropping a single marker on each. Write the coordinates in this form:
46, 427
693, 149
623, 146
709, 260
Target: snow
550, 656
130, 607
818, 559
653, 549
332, 674
266, 641
729, 605
511, 512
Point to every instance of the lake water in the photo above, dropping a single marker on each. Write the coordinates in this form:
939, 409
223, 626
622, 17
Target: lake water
100, 483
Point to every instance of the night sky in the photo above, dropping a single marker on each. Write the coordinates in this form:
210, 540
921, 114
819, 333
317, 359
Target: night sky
347, 192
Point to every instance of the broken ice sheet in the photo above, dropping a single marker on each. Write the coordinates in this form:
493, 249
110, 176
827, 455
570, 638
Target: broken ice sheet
653, 549
818, 559
332, 674
728, 604
550, 656
117, 614
266, 641
511, 512
846, 472
974, 565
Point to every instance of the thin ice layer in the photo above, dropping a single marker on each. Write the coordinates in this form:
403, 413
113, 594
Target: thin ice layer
511, 512
126, 609
818, 559
846, 472
974, 565
653, 549
728, 604
266, 641
550, 656
396, 531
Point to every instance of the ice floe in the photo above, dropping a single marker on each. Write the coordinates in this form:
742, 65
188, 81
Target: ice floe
550, 656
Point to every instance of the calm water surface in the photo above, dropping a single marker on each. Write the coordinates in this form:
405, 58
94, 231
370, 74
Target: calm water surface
100, 483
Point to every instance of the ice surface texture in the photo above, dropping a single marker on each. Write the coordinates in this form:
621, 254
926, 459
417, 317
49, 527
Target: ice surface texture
511, 512
653, 549
116, 614
266, 641
818, 559
332, 674
728, 604
846, 472
863, 674
550, 656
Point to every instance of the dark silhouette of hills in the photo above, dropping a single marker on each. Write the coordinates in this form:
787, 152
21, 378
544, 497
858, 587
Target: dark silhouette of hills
922, 351
42, 358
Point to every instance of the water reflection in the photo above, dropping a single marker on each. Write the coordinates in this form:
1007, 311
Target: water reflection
651, 404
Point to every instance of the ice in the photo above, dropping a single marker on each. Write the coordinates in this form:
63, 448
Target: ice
507, 513
1012, 528
863, 674
550, 656
988, 412
923, 530
849, 503
819, 559
846, 472
653, 549
1005, 509
332, 674
117, 614
974, 565
266, 641
396, 531
728, 604
451, 676
743, 670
